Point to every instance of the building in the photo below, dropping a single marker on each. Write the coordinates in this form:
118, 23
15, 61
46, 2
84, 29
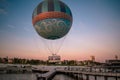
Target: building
54, 58
10, 60
113, 65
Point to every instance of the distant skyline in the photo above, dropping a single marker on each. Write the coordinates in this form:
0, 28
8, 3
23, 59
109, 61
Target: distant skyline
95, 30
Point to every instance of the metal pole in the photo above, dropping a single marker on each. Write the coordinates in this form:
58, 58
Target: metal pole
95, 77
105, 78
87, 77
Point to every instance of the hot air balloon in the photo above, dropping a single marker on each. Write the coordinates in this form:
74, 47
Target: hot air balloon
52, 19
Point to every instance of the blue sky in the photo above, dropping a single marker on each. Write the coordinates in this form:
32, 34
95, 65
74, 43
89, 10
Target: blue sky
95, 30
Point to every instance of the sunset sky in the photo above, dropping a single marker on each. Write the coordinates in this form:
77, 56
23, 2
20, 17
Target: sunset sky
95, 30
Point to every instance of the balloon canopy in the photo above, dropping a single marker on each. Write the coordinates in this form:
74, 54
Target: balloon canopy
52, 19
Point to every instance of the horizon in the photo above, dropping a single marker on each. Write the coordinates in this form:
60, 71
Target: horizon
60, 60
95, 30
114, 58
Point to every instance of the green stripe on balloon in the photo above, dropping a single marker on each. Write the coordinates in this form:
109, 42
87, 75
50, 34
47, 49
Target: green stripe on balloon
45, 6
56, 5
34, 13
68, 11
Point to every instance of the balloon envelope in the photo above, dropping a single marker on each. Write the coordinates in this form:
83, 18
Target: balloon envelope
52, 19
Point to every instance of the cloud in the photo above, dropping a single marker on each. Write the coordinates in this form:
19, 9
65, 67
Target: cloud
4, 4
27, 28
3, 11
11, 26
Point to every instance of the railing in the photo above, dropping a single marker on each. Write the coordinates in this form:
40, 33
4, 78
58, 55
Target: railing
80, 71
